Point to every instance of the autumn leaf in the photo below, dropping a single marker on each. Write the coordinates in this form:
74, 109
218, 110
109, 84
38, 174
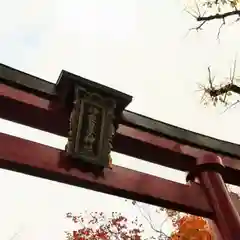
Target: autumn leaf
191, 227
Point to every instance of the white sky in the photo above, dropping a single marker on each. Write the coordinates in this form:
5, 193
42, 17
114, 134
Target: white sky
138, 47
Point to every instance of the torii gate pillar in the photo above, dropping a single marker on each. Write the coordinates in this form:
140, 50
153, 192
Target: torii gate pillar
208, 172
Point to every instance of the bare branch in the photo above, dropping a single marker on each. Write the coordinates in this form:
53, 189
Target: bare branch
149, 220
162, 224
210, 79
199, 27
219, 30
234, 69
232, 105
16, 233
193, 15
198, 9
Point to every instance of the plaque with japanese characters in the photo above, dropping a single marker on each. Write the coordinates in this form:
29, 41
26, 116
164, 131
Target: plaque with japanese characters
91, 127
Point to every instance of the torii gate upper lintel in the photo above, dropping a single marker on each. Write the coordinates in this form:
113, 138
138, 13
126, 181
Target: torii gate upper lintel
97, 114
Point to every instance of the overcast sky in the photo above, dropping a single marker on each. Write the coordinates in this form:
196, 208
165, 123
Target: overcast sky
138, 47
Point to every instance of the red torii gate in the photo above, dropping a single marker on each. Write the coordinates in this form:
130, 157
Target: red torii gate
40, 104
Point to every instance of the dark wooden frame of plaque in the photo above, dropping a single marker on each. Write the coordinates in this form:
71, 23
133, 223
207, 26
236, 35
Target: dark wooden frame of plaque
104, 130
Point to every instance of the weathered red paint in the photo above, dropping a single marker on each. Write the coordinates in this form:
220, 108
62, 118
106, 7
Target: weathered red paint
225, 213
35, 159
24, 97
39, 112
173, 145
48, 115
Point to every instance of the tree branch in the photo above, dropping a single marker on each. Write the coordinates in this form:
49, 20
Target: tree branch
222, 90
218, 16
149, 220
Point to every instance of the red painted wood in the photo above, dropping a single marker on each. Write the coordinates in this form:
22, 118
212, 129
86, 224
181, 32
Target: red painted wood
225, 213
28, 109
35, 159
49, 116
172, 145
24, 97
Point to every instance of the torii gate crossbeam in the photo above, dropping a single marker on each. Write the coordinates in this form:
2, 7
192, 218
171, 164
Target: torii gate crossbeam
137, 136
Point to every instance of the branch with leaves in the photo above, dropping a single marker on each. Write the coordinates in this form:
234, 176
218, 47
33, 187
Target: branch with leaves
209, 10
218, 16
221, 93
97, 226
220, 7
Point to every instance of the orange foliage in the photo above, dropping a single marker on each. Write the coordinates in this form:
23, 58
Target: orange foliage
192, 228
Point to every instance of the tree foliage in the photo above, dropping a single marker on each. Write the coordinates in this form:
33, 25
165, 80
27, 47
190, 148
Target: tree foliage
191, 227
97, 226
